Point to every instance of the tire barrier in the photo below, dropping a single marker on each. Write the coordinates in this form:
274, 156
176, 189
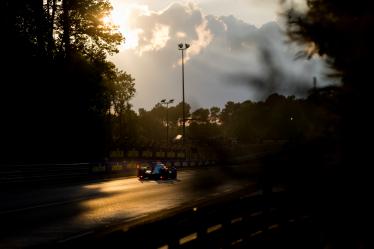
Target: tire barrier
98, 168
153, 154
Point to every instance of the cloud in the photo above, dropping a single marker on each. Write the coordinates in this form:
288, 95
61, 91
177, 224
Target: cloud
157, 41
229, 59
204, 38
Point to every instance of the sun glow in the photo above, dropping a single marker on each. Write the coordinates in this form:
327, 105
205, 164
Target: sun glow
123, 16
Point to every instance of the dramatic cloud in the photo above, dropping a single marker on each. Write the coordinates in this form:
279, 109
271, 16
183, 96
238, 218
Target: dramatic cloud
229, 59
158, 39
204, 38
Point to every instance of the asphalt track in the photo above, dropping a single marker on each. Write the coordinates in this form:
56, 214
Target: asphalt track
36, 216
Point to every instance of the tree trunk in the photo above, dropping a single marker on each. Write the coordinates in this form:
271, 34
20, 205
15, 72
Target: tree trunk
51, 42
66, 27
40, 22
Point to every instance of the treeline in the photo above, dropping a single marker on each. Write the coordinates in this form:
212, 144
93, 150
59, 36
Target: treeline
58, 90
278, 119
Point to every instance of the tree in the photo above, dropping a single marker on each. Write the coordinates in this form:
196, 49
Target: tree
341, 32
54, 86
122, 90
151, 125
200, 115
81, 28
226, 117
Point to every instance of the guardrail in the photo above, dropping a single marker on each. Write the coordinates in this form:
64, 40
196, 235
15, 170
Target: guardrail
42, 172
245, 222
52, 173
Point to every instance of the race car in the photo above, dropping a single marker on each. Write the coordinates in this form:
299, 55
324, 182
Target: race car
156, 171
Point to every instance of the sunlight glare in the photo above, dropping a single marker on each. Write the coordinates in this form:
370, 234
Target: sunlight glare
123, 16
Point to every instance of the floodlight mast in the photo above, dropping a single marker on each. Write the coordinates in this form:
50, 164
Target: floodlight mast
183, 47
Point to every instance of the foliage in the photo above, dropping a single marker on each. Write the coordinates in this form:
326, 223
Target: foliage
55, 90
122, 90
279, 118
340, 30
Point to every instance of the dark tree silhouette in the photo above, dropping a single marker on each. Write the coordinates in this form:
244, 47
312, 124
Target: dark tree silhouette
341, 32
54, 91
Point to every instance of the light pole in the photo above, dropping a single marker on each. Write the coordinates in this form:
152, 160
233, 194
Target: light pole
183, 47
167, 102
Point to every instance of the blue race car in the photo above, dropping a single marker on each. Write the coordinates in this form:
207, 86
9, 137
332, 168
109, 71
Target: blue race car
156, 171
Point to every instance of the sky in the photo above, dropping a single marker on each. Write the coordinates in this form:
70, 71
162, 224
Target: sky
238, 51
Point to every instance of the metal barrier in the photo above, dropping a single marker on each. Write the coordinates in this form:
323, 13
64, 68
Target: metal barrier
45, 173
42, 172
250, 222
52, 173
